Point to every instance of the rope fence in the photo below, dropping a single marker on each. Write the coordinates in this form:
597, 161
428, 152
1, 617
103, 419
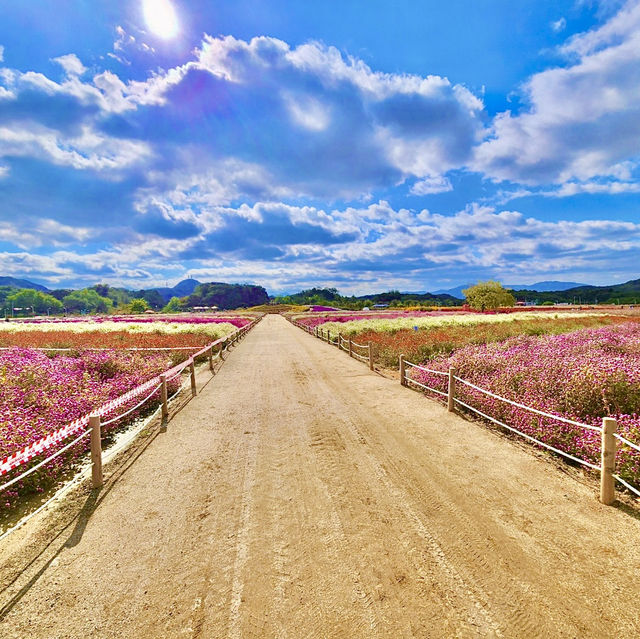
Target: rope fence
609, 436
341, 342
91, 425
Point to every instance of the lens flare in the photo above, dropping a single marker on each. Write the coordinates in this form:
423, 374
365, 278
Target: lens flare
161, 17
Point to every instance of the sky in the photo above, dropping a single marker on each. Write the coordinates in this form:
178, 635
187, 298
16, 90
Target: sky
413, 145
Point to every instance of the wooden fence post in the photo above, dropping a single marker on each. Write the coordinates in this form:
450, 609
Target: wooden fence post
350, 348
210, 355
192, 370
96, 451
163, 393
403, 380
370, 357
451, 391
608, 461
328, 336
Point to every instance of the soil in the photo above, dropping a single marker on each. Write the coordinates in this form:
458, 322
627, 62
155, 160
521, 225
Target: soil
301, 495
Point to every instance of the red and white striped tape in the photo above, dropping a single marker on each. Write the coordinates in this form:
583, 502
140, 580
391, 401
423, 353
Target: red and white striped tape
36, 448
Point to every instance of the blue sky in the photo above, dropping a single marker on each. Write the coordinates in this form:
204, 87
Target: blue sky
367, 146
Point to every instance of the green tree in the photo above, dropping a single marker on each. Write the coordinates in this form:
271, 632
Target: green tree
486, 296
37, 301
138, 305
87, 300
174, 305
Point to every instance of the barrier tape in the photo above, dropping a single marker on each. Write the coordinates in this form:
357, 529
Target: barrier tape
45, 461
30, 451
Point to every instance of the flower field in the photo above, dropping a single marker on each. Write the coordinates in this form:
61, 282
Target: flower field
443, 339
42, 390
393, 322
584, 376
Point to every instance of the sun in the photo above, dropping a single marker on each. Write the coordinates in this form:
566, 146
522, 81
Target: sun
161, 17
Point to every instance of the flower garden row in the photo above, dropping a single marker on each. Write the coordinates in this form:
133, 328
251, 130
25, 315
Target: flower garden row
122, 334
583, 376
581, 366
42, 391
236, 320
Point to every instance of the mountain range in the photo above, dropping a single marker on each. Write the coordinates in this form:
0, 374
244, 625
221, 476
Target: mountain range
546, 286
549, 290
181, 289
18, 283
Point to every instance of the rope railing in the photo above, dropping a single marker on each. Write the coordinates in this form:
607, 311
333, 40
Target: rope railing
79, 425
422, 368
340, 341
429, 388
529, 437
627, 485
529, 408
607, 431
626, 442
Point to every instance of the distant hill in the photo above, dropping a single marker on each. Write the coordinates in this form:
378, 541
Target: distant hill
331, 297
625, 293
550, 285
181, 289
538, 286
13, 281
227, 296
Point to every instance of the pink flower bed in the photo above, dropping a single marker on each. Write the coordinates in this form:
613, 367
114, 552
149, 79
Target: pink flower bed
236, 320
39, 394
583, 376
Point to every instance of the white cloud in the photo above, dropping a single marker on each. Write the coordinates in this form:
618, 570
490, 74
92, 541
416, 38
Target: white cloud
420, 126
437, 184
610, 188
308, 112
89, 150
559, 25
4, 171
1, 53
387, 246
71, 64
583, 121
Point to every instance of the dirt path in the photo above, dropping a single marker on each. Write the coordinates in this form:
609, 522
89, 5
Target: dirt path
302, 496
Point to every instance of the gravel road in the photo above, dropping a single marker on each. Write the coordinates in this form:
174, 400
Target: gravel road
300, 495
